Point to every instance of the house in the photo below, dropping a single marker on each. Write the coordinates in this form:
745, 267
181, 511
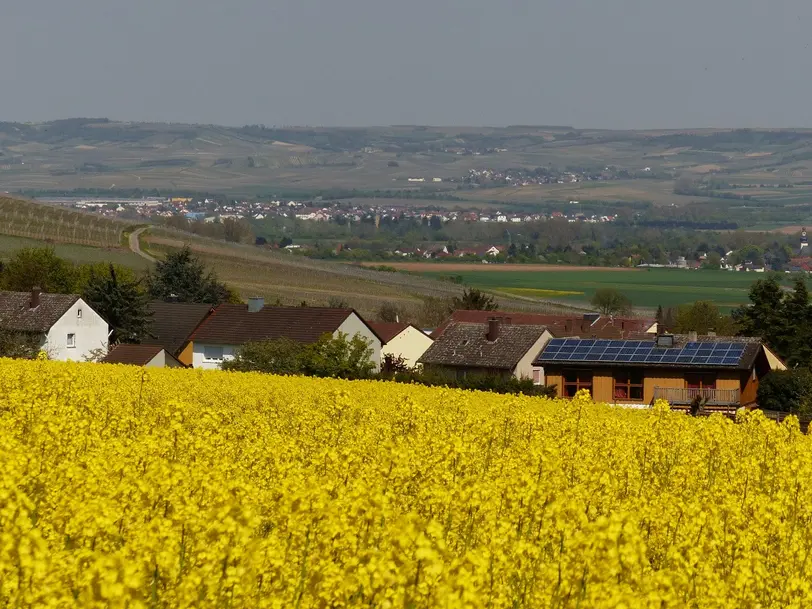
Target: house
492, 348
173, 324
230, 326
149, 356
66, 326
589, 325
402, 340
723, 371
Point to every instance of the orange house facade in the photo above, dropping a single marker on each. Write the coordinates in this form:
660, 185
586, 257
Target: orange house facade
724, 372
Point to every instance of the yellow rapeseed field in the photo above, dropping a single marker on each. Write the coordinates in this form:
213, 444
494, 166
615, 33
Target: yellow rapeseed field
121, 487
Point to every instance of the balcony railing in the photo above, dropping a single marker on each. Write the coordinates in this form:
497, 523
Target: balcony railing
712, 397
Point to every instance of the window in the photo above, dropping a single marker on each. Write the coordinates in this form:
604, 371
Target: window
79, 314
71, 341
213, 354
700, 381
629, 385
537, 376
575, 380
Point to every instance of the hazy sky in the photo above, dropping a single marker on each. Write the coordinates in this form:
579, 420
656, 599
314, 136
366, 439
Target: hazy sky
587, 63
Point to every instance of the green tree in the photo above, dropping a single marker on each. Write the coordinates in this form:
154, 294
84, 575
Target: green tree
610, 301
703, 317
797, 314
713, 261
765, 315
18, 345
336, 357
389, 312
279, 356
182, 277
474, 300
39, 267
340, 357
121, 302
786, 391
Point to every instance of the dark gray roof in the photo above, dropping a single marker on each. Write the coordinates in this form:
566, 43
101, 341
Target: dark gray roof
17, 314
466, 345
174, 322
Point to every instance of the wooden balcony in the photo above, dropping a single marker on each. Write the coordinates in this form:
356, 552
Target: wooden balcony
712, 397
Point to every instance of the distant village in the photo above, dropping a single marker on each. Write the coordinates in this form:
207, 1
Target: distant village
211, 210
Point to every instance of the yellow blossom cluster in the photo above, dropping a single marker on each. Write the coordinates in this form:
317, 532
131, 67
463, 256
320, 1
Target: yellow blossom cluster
126, 487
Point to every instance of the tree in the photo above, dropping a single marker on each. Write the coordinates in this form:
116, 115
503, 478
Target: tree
39, 267
786, 391
340, 357
18, 345
797, 314
433, 311
765, 316
279, 356
121, 302
703, 317
474, 300
389, 312
610, 301
182, 277
713, 261
336, 302
336, 357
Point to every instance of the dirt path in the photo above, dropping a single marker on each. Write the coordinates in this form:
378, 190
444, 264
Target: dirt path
135, 245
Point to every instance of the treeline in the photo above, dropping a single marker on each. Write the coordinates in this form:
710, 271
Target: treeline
115, 292
351, 358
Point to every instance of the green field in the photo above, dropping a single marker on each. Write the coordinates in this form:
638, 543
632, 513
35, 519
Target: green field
645, 288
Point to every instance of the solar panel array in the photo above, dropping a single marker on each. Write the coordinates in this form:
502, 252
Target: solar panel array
641, 352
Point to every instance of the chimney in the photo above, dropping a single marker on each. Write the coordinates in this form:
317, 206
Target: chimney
35, 299
494, 325
255, 304
692, 336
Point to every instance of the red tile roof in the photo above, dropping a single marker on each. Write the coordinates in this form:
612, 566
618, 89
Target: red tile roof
135, 355
388, 330
232, 324
560, 326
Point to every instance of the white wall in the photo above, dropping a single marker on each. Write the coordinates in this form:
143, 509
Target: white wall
162, 361
410, 344
354, 325
91, 333
524, 369
199, 360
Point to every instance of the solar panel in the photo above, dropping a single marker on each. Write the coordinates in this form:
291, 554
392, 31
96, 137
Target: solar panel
642, 352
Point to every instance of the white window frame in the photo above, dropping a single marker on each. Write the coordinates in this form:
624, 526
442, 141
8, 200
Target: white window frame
78, 313
206, 354
71, 341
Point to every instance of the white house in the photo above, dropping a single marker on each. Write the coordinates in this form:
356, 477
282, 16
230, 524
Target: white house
402, 340
220, 336
66, 326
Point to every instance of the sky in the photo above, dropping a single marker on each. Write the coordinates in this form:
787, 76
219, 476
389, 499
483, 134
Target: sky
615, 64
